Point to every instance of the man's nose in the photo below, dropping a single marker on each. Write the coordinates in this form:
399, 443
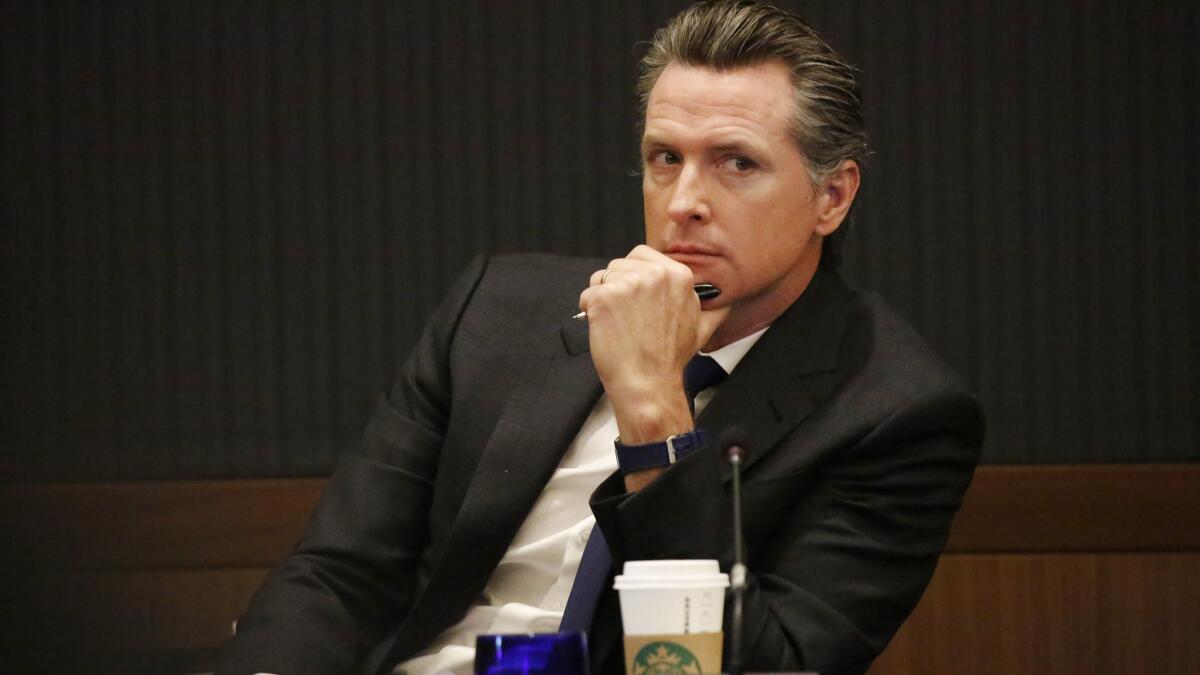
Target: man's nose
689, 202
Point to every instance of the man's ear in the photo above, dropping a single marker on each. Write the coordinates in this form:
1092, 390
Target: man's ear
836, 195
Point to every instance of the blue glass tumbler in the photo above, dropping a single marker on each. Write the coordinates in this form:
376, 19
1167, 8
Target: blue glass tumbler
529, 654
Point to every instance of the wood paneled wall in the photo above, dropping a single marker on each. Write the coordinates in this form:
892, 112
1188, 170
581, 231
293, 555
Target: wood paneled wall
1063, 569
1055, 569
1054, 613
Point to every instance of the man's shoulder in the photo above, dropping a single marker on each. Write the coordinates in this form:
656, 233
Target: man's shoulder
853, 349
835, 326
886, 341
536, 278
891, 369
541, 266
524, 290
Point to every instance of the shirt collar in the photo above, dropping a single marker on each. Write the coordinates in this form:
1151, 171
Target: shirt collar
728, 356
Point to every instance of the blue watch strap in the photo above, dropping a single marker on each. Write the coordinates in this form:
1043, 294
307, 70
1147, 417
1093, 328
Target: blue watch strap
633, 458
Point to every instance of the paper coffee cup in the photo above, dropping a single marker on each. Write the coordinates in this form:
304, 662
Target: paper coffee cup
672, 612
671, 597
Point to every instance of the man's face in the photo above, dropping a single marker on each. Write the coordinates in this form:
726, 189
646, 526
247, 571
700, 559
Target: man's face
726, 190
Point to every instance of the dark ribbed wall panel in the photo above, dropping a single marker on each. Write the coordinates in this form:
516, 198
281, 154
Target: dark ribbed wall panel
224, 223
1031, 209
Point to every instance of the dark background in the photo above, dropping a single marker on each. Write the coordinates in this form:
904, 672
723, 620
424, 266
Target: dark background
224, 223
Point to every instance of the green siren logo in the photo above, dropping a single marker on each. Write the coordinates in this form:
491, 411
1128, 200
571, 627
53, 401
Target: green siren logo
665, 658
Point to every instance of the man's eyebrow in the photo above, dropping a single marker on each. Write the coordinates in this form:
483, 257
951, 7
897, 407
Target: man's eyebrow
738, 145
652, 141
723, 147
733, 147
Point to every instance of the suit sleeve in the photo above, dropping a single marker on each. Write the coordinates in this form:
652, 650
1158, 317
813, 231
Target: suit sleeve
352, 576
841, 555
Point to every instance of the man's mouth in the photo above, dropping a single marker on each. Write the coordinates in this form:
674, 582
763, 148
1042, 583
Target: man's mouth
691, 254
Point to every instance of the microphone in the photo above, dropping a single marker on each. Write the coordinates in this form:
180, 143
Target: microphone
732, 441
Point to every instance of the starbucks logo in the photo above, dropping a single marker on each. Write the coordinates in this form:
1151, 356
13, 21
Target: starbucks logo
665, 658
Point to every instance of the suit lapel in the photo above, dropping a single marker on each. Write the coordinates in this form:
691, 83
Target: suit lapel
783, 377
545, 411
548, 405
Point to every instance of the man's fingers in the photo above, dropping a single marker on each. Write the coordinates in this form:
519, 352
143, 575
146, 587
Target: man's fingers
644, 252
615, 266
640, 257
638, 266
587, 299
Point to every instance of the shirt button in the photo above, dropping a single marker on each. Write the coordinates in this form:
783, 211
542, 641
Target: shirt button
554, 605
583, 537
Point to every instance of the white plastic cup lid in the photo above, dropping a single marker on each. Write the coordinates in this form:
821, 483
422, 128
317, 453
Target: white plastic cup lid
648, 574
671, 568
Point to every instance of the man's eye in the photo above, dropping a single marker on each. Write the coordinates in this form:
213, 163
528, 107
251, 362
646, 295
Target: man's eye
740, 164
664, 157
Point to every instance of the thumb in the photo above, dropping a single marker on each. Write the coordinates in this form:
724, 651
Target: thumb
710, 321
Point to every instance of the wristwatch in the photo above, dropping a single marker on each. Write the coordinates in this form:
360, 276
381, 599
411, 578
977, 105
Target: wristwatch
633, 458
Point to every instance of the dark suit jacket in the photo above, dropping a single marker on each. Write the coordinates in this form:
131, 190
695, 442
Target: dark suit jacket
861, 444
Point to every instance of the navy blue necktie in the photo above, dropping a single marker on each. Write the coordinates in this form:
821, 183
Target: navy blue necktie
701, 373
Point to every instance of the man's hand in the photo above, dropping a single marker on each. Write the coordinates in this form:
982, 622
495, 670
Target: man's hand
645, 324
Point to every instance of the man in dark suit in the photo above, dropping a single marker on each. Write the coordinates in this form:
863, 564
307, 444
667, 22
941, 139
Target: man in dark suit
861, 443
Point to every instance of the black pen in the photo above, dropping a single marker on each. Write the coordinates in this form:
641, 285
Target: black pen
704, 291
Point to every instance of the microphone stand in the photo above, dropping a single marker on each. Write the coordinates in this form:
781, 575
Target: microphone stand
737, 574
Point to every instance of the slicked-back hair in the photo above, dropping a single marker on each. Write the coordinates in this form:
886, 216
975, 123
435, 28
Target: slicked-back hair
827, 123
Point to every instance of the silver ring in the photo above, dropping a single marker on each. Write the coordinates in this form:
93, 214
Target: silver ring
605, 275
